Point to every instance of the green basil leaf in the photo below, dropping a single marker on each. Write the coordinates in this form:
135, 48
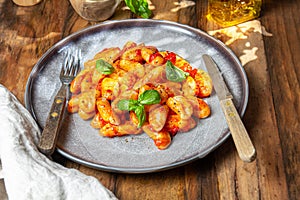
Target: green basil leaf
141, 114
175, 74
139, 7
149, 97
104, 67
127, 104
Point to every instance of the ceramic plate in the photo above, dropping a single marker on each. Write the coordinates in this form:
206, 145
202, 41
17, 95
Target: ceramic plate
136, 154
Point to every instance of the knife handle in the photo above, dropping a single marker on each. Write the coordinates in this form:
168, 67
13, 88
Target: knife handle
242, 141
49, 137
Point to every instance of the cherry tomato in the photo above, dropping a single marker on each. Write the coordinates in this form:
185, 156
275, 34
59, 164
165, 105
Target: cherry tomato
188, 68
171, 57
138, 52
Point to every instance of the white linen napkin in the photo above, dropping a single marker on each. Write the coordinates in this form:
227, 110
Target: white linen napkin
27, 173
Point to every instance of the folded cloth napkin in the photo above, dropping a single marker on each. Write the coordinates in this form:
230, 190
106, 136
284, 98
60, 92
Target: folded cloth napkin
27, 173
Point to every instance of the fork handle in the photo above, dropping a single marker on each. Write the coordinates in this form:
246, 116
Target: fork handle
49, 136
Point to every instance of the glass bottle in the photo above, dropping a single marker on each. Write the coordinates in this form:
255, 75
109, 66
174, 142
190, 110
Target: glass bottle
232, 12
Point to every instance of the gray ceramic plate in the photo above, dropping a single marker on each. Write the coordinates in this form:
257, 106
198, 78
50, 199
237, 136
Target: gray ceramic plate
136, 154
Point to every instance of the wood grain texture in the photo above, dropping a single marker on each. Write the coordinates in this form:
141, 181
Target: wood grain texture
282, 50
259, 119
270, 60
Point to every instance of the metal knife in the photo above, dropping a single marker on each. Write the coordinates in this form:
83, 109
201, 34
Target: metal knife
242, 141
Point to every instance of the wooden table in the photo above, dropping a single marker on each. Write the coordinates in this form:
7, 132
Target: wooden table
271, 118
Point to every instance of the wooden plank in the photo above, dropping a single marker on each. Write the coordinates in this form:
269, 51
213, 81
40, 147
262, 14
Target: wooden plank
201, 180
255, 180
282, 51
28, 33
163, 185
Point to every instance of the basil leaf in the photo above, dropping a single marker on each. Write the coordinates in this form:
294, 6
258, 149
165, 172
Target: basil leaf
139, 7
141, 114
175, 74
104, 67
149, 97
146, 98
127, 104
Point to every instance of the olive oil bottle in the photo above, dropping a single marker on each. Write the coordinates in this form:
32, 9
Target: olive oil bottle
232, 12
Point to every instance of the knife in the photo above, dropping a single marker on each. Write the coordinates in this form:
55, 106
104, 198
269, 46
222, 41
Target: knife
242, 141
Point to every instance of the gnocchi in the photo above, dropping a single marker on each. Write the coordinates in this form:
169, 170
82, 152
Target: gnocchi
125, 75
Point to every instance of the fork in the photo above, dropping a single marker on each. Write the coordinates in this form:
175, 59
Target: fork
70, 68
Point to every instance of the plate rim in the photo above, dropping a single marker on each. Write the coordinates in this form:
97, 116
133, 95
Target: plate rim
131, 170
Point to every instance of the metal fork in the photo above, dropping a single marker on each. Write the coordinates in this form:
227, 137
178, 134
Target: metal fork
70, 68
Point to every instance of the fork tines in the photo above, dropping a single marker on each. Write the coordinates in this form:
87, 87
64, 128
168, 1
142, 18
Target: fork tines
71, 64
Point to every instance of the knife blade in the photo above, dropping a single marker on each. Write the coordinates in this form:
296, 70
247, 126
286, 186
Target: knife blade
242, 141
